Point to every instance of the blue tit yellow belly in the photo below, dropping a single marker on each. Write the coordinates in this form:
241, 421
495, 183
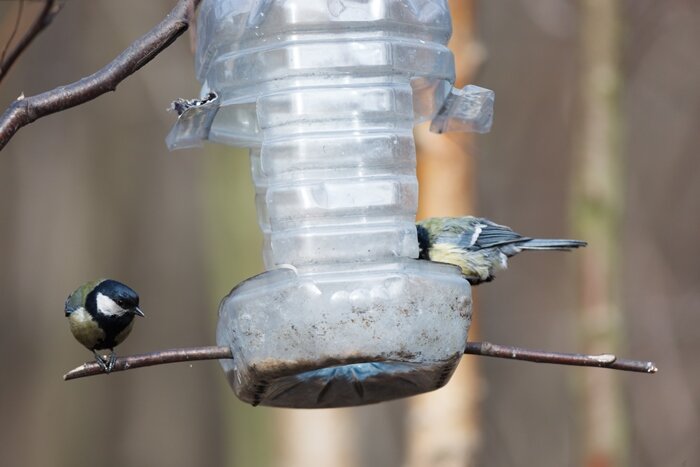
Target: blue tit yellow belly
476, 267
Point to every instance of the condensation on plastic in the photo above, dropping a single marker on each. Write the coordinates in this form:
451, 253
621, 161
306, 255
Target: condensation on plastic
325, 93
367, 333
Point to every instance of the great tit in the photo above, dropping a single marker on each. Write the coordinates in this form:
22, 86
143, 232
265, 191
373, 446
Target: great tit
101, 316
477, 245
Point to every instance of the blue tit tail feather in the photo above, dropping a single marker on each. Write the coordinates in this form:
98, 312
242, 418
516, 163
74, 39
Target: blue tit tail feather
478, 246
552, 244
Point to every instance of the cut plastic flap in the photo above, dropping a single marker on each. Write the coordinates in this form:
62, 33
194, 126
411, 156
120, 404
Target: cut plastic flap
467, 109
195, 117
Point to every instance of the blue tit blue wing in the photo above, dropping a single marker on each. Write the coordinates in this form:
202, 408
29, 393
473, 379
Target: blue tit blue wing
488, 234
453, 230
470, 233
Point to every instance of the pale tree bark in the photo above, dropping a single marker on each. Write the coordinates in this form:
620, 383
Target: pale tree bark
597, 203
443, 426
317, 437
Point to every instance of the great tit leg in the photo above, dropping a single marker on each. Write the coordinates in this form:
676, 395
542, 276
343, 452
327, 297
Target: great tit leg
101, 361
112, 360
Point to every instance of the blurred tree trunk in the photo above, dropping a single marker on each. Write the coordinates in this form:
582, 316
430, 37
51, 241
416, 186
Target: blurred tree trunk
597, 207
317, 437
661, 269
231, 230
443, 426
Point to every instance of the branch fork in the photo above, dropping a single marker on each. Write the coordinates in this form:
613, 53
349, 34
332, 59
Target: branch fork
26, 110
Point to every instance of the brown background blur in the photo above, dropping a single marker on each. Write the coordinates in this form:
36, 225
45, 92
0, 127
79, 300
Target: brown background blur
93, 192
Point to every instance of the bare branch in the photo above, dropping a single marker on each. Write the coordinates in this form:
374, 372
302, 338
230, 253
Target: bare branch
45, 17
485, 349
26, 110
488, 349
154, 358
18, 20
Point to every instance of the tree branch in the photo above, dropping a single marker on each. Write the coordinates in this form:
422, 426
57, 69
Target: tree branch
155, 358
485, 349
15, 28
45, 17
26, 110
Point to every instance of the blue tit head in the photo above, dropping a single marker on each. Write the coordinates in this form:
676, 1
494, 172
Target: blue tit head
113, 299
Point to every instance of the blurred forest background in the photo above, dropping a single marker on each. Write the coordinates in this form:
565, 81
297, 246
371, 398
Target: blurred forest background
93, 192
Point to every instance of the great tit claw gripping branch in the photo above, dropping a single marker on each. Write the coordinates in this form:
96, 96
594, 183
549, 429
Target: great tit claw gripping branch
149, 359
486, 349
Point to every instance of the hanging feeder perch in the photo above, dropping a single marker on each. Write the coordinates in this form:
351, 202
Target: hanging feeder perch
325, 93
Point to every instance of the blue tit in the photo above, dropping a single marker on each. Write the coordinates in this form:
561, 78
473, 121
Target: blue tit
101, 316
477, 245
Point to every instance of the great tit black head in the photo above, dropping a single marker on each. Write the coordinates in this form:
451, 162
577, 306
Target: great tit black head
112, 298
101, 316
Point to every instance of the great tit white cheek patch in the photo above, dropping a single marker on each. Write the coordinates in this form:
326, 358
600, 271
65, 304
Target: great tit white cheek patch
108, 307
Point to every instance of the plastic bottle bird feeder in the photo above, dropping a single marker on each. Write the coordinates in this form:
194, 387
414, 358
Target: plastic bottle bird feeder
325, 93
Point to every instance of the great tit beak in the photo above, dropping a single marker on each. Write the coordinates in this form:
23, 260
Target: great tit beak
137, 311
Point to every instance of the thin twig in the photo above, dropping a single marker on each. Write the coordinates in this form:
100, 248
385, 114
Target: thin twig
15, 28
487, 349
42, 21
26, 110
154, 358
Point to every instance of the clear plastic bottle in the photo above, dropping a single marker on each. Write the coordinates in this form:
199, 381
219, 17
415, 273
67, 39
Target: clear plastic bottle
326, 93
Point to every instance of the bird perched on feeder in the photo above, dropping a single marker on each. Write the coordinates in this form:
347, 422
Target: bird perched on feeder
101, 316
477, 245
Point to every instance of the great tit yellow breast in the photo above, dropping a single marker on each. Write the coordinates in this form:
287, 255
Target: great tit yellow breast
85, 329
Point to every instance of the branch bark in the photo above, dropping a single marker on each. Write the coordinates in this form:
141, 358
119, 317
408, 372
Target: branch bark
25, 110
43, 20
485, 349
155, 358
